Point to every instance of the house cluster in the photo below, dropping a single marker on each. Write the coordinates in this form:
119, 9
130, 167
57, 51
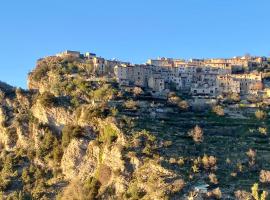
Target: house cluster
198, 77
101, 65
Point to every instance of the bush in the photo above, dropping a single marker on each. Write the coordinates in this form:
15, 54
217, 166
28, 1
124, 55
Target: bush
183, 105
213, 178
134, 192
90, 112
130, 104
47, 99
259, 114
40, 72
197, 134
216, 193
177, 185
137, 91
265, 176
47, 143
91, 187
243, 195
252, 156
12, 135
262, 130
104, 93
233, 98
209, 162
218, 110
69, 132
108, 134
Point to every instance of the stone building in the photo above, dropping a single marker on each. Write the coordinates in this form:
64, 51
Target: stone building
156, 82
203, 89
161, 62
227, 84
249, 83
75, 54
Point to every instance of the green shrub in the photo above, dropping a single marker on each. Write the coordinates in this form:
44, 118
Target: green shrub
47, 143
108, 134
40, 72
12, 135
134, 192
104, 93
69, 132
92, 186
47, 99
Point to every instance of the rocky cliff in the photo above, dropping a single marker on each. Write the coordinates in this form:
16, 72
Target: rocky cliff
63, 139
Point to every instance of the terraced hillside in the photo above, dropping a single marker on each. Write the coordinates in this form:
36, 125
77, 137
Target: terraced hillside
226, 138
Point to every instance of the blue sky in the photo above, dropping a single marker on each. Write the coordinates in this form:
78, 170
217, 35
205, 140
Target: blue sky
129, 30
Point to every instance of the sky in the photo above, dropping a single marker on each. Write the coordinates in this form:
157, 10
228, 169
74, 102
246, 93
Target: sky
129, 30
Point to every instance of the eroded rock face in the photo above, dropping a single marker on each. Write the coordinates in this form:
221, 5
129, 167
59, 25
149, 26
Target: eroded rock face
75, 162
56, 117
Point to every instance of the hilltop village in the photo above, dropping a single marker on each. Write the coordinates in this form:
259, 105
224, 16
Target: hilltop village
94, 128
198, 78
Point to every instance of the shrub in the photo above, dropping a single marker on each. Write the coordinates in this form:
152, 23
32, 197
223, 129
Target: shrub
12, 135
114, 111
265, 176
108, 134
209, 162
197, 134
91, 187
130, 104
167, 143
259, 114
252, 156
69, 132
213, 178
262, 130
26, 176
90, 112
104, 93
173, 99
243, 195
254, 191
57, 154
177, 185
47, 99
134, 192
145, 141
216, 193
183, 105
40, 72
46, 145
218, 110
137, 91
233, 98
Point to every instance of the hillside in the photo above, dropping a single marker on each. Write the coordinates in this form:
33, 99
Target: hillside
76, 135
